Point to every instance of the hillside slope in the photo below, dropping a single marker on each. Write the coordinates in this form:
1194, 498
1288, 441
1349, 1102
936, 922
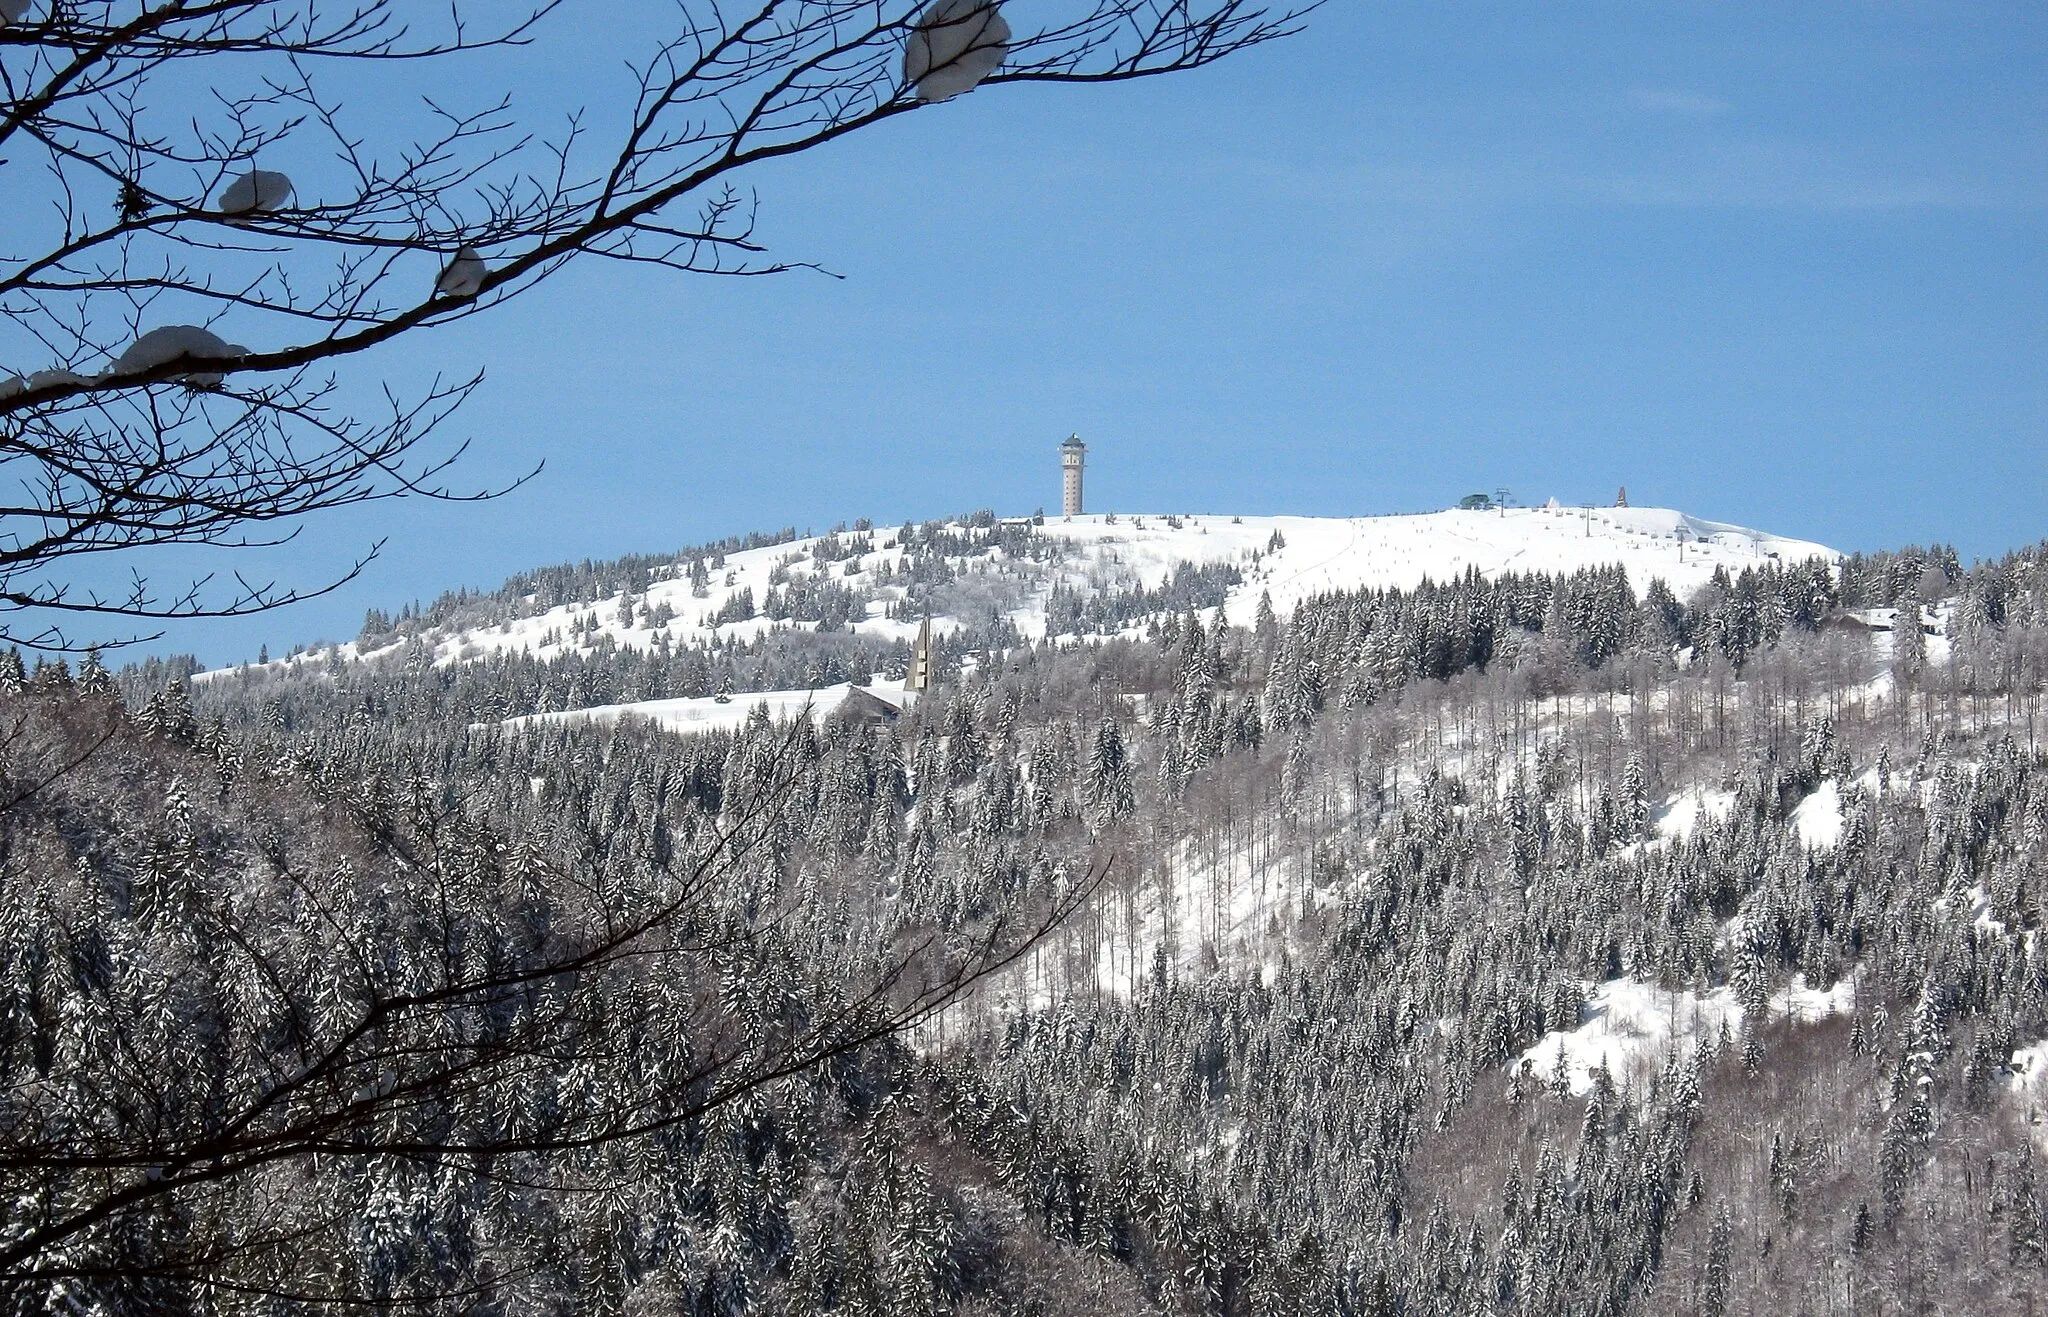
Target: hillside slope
1522, 944
877, 583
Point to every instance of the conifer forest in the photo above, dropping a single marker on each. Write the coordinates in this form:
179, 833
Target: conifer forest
1517, 944
1410, 880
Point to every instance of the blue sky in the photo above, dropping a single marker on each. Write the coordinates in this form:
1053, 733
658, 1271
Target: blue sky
1784, 266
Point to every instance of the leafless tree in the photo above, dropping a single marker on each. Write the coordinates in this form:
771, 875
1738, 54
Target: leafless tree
131, 201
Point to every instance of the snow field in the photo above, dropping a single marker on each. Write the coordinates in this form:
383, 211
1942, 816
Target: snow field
1631, 1027
705, 713
1818, 818
1676, 818
1322, 554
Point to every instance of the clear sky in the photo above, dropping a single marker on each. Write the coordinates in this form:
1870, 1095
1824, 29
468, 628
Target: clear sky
1779, 265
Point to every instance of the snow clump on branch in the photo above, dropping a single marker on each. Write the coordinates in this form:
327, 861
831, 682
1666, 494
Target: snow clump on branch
170, 343
955, 44
464, 276
257, 192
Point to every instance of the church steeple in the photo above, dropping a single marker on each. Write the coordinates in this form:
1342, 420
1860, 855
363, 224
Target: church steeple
919, 675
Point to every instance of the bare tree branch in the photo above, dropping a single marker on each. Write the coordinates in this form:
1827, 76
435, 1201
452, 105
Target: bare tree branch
357, 1048
118, 154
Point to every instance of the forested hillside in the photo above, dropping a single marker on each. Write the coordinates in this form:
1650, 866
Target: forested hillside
1519, 942
769, 612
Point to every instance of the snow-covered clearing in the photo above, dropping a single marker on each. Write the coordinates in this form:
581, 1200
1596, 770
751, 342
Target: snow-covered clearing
1676, 818
1818, 818
1631, 1027
1196, 907
704, 714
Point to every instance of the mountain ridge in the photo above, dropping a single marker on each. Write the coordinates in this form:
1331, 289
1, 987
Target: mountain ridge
1027, 575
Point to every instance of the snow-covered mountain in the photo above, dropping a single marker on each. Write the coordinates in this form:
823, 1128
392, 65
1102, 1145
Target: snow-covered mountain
1031, 579
1284, 558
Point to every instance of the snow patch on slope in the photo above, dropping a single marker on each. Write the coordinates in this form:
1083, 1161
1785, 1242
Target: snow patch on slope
1818, 818
1631, 1027
1676, 818
706, 714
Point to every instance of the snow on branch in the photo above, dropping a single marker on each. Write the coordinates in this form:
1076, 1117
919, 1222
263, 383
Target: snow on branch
148, 238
